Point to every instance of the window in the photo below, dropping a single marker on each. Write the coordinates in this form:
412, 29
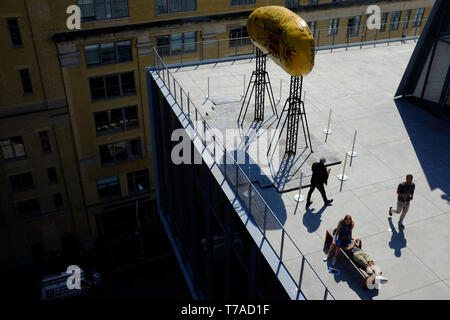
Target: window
111, 86
45, 142
108, 189
313, 1
333, 26
407, 16
115, 120
172, 6
312, 27
239, 37
26, 81
138, 182
14, 32
103, 9
418, 16
12, 148
57, 199
353, 26
120, 151
29, 208
395, 20
108, 53
242, 2
52, 176
177, 43
21, 182
384, 19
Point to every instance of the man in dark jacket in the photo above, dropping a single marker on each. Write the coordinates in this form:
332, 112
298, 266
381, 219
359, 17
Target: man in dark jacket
318, 179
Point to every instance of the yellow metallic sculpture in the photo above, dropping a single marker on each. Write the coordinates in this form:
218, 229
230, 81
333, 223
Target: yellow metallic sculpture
285, 37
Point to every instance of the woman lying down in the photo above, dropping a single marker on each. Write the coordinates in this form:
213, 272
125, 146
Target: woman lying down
363, 260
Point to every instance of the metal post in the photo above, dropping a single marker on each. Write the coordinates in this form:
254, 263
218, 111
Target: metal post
204, 133
389, 35
334, 36
181, 98
301, 273
168, 80
327, 131
265, 219
174, 89
243, 89
214, 147
237, 178
249, 191
352, 153
318, 40
326, 294
282, 246
299, 197
281, 86
376, 36
189, 106
342, 176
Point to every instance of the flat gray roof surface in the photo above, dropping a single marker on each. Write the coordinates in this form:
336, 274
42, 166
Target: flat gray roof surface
393, 139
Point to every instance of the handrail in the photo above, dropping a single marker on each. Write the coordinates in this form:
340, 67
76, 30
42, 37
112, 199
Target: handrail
159, 67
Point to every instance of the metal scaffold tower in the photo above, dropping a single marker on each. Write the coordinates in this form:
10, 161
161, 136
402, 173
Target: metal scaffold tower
295, 113
258, 83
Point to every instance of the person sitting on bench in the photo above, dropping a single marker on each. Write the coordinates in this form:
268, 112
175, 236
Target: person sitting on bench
342, 237
363, 260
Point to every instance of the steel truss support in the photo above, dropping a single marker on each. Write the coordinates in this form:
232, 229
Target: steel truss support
295, 113
259, 82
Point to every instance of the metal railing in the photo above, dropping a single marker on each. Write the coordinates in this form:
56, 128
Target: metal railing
264, 218
210, 51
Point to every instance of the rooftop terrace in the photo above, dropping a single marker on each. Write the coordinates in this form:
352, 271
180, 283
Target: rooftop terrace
393, 138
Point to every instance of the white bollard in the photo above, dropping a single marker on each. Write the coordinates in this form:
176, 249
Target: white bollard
279, 99
327, 131
243, 91
352, 153
299, 197
342, 176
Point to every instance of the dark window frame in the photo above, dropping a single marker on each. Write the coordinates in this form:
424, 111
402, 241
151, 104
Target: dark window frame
25, 79
115, 13
416, 21
29, 208
333, 26
109, 184
104, 148
238, 37
44, 139
164, 8
132, 185
58, 200
125, 121
120, 86
100, 55
14, 32
353, 30
22, 182
242, 3
167, 50
395, 20
50, 172
384, 21
14, 151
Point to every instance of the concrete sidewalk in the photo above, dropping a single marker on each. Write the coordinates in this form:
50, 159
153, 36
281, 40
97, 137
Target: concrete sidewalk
393, 138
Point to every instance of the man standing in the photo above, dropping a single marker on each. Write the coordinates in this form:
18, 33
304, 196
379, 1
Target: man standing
318, 179
405, 191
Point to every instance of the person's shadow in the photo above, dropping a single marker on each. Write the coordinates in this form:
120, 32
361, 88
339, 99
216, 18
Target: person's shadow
398, 240
312, 220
